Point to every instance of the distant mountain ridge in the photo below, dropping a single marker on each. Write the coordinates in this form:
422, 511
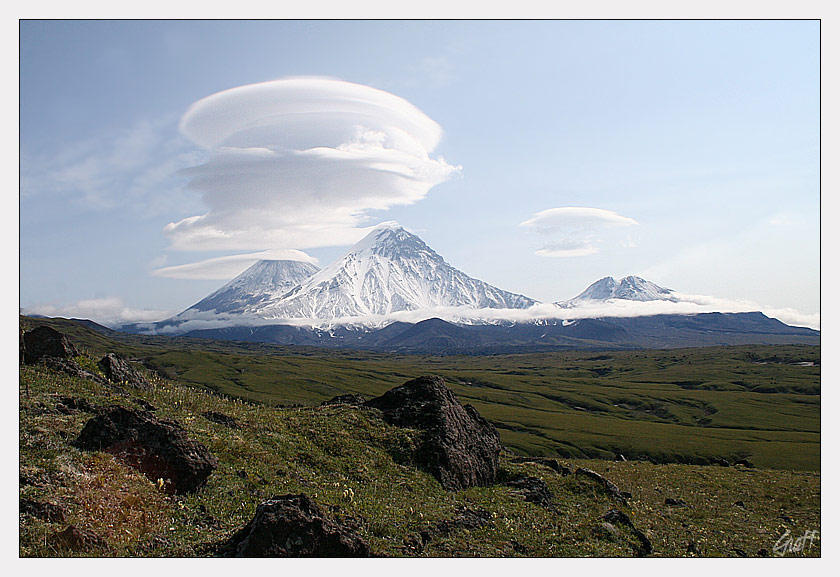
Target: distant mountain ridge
436, 336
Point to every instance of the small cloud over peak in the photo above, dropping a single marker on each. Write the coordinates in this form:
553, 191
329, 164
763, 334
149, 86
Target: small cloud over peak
388, 225
227, 267
576, 230
575, 216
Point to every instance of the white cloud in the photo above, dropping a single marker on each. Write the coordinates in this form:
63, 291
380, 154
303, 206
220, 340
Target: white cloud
568, 247
110, 311
300, 162
227, 267
615, 308
576, 230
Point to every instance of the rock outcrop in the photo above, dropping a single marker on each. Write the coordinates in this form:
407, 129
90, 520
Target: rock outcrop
42, 342
348, 399
119, 371
459, 447
617, 517
74, 369
221, 419
294, 526
159, 448
552, 464
603, 483
533, 490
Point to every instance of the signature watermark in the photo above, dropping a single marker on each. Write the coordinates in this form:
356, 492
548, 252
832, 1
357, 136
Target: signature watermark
787, 544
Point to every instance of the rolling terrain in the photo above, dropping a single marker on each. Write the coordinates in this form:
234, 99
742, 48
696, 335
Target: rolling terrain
761, 403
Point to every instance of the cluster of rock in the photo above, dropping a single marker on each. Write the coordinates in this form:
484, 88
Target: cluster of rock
457, 446
159, 448
47, 346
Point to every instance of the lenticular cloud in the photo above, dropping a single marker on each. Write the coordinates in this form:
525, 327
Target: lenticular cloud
572, 229
298, 163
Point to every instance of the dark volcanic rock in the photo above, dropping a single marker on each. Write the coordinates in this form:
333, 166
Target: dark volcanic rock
45, 511
119, 371
77, 540
553, 464
349, 399
145, 405
617, 517
294, 526
221, 419
465, 519
44, 342
534, 490
675, 502
159, 448
73, 405
607, 485
459, 447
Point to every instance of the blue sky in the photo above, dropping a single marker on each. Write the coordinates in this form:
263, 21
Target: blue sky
695, 145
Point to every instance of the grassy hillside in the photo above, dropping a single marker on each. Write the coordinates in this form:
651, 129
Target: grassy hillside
356, 467
683, 406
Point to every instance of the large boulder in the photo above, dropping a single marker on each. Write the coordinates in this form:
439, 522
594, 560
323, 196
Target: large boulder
459, 447
294, 526
159, 448
119, 371
42, 342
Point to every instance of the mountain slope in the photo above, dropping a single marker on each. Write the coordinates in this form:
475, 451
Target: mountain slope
263, 281
390, 270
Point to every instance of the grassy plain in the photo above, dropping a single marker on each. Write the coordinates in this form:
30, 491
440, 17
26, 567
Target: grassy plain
357, 467
761, 403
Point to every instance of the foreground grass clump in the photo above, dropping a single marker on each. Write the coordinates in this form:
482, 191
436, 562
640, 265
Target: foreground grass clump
359, 469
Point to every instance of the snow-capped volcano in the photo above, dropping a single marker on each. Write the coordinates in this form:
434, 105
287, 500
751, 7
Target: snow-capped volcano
262, 282
388, 271
631, 288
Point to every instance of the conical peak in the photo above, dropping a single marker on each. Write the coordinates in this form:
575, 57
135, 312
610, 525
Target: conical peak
394, 242
277, 265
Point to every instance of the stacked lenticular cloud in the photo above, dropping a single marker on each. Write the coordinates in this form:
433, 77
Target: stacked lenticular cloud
298, 163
